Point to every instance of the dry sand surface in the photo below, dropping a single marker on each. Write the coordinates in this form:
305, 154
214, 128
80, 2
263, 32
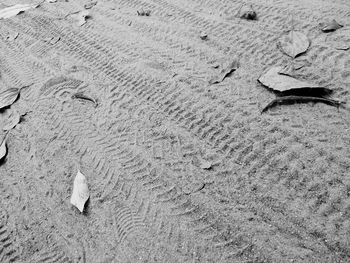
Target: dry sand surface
178, 170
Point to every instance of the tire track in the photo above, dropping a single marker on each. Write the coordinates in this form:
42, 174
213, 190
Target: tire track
145, 93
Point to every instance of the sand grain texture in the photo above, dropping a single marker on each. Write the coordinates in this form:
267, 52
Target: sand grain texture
279, 183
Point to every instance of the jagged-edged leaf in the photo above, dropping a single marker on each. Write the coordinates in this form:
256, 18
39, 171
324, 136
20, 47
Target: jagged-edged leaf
80, 192
15, 10
12, 120
227, 69
330, 26
8, 97
3, 148
294, 43
289, 85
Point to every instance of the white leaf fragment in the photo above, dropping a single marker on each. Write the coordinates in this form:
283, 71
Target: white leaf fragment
80, 192
15, 10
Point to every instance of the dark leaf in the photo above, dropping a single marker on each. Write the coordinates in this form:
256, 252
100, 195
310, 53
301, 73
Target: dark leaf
300, 99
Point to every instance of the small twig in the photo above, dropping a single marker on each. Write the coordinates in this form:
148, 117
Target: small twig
300, 99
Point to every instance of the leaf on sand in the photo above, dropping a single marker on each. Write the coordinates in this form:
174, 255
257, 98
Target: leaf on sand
81, 17
330, 26
203, 36
8, 97
51, 1
300, 99
248, 13
3, 148
294, 43
287, 85
204, 164
15, 10
12, 120
80, 192
227, 69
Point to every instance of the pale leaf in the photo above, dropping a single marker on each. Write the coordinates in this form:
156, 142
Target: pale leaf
294, 43
289, 85
3, 149
15, 10
331, 26
80, 192
8, 97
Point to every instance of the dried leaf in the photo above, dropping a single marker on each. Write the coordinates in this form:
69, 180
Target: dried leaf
90, 5
80, 192
204, 164
330, 26
3, 148
226, 70
51, 1
287, 85
12, 120
8, 97
15, 10
81, 96
285, 100
294, 43
81, 17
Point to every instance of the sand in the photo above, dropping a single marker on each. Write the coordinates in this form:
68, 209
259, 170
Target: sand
178, 170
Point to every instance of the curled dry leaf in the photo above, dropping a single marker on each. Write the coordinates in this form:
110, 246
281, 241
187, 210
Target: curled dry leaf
294, 43
330, 26
81, 96
90, 5
227, 69
15, 10
80, 192
3, 148
285, 100
12, 120
8, 97
286, 85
